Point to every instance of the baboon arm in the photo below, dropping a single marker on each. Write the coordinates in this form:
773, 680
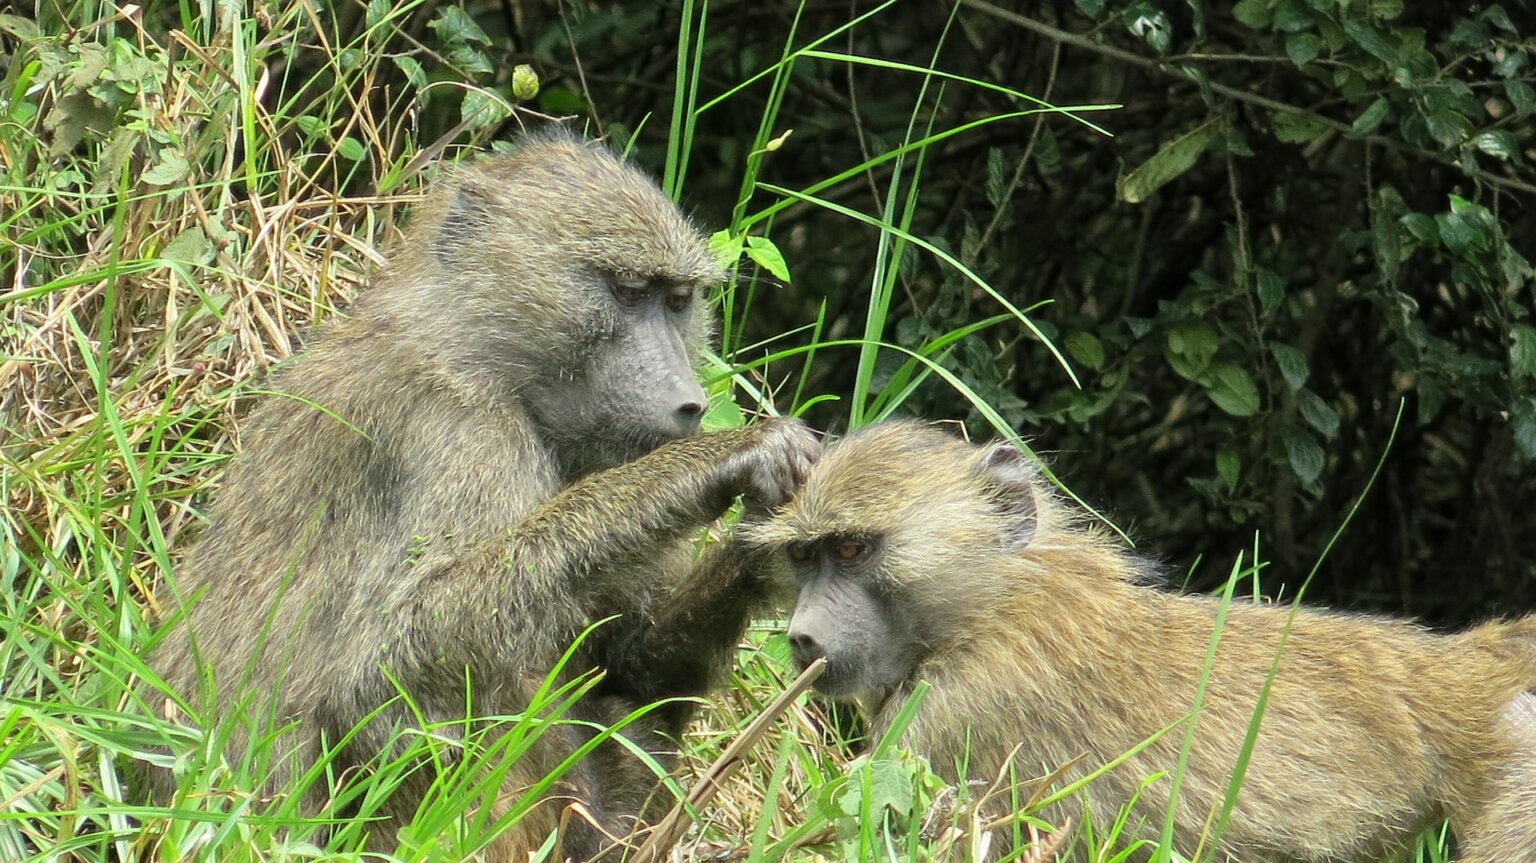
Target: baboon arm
694, 628
629, 512
576, 559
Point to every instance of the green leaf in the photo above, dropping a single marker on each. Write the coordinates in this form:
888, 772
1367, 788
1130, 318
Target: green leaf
171, 167
1372, 41
1190, 349
1254, 14
1521, 96
726, 247
1086, 349
1292, 363
1291, 17
1232, 390
310, 125
1228, 468
1305, 456
1091, 8
191, 246
455, 26
1302, 48
1296, 128
1497, 143
765, 254
414, 74
1318, 413
723, 413
1496, 16
1175, 157
1447, 126
1455, 231
1522, 351
351, 149
1523, 417
1370, 119
483, 108
1271, 289
1422, 227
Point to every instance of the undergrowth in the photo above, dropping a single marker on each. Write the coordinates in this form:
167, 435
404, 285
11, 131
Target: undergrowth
184, 191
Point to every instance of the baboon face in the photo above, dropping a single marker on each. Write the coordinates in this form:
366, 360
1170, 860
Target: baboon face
847, 613
882, 540
585, 285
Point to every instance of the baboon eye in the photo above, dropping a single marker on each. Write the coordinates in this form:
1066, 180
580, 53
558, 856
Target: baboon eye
851, 549
679, 300
629, 292
800, 552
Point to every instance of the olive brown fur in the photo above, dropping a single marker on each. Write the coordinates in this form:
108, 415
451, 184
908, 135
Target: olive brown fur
920, 557
495, 450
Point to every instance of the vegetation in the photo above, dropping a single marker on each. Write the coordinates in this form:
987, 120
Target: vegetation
1307, 213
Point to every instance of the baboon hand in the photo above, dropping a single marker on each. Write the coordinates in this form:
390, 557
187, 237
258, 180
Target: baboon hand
769, 468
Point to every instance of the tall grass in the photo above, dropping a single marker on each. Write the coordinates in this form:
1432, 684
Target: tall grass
179, 204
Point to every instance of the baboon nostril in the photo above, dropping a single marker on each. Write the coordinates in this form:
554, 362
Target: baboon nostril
804, 646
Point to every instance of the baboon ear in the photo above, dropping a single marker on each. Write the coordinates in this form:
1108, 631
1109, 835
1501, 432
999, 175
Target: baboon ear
1013, 479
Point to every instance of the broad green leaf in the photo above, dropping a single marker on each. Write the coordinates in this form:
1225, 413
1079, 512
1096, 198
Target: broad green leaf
1271, 289
1370, 119
1296, 128
351, 149
1254, 14
1190, 348
726, 247
1232, 389
456, 26
1521, 96
1318, 413
1302, 48
483, 108
1523, 416
1522, 351
1229, 468
1086, 349
1305, 456
1091, 8
414, 73
1422, 227
1175, 157
170, 168
1498, 143
1292, 363
765, 254
191, 245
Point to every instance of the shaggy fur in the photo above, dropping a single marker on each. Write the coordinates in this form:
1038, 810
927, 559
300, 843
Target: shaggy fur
1053, 654
467, 472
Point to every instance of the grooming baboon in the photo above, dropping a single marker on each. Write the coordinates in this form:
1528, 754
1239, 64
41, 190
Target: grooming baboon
919, 557
493, 452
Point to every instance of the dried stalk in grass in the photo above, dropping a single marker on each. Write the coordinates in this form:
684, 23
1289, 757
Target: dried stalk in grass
671, 828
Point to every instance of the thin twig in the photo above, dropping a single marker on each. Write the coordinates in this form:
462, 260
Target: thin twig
671, 828
1233, 93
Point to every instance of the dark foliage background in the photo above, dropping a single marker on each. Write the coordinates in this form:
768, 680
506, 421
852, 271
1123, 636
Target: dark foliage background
1310, 212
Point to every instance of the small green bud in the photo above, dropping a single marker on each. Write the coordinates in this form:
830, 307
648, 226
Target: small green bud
525, 82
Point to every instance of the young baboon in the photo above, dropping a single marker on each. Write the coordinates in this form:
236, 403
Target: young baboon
919, 557
495, 451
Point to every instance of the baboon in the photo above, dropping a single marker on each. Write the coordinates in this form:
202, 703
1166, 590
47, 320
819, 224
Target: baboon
919, 557
496, 450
